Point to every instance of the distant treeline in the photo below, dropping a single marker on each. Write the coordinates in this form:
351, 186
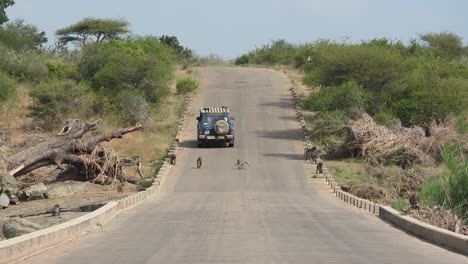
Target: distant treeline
418, 83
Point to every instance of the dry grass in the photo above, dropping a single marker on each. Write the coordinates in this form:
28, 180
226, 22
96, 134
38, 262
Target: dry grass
156, 137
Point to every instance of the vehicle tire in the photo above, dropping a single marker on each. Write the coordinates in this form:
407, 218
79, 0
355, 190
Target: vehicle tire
231, 144
199, 144
221, 127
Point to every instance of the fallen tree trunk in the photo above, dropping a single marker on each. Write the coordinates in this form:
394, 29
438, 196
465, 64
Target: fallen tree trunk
66, 148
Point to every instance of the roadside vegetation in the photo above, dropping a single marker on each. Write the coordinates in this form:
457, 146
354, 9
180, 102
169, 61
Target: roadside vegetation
97, 69
391, 117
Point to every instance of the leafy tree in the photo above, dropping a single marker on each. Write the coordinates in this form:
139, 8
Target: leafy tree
184, 55
93, 29
4, 4
20, 36
445, 44
141, 64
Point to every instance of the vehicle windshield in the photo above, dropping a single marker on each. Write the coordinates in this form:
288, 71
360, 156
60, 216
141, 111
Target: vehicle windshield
213, 118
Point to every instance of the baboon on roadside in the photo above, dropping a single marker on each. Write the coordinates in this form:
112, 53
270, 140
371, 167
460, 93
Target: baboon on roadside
414, 201
199, 162
120, 187
55, 210
311, 154
172, 159
319, 166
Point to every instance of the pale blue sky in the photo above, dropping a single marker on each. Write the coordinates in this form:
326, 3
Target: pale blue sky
232, 27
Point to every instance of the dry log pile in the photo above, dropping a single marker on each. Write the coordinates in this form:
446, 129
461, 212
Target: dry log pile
401, 146
78, 155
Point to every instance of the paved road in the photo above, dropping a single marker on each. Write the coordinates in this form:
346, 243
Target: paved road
270, 213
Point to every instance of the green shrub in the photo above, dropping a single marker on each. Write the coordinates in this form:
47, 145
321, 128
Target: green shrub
7, 87
457, 179
330, 123
349, 97
451, 188
145, 183
130, 108
186, 85
461, 123
400, 204
142, 64
25, 66
56, 100
61, 70
433, 192
386, 119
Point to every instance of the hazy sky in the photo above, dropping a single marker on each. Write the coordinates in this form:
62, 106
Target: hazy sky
232, 27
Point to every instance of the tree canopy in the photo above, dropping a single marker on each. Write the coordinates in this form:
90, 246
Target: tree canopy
3, 5
93, 30
18, 35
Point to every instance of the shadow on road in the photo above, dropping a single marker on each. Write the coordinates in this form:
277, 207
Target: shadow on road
299, 156
292, 134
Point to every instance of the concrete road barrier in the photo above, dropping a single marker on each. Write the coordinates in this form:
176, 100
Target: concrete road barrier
431, 233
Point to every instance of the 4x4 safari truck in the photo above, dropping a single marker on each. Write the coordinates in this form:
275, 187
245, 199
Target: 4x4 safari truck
215, 126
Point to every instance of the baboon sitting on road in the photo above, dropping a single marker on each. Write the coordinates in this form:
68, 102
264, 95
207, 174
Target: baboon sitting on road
199, 162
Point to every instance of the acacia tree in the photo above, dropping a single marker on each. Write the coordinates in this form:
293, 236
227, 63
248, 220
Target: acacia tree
93, 29
3, 5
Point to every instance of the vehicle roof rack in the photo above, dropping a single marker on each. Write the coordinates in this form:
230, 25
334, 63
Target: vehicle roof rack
214, 110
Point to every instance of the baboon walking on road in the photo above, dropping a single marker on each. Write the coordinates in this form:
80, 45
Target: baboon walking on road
241, 165
199, 162
319, 166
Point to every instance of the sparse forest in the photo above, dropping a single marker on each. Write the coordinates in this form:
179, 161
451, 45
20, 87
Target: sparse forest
399, 107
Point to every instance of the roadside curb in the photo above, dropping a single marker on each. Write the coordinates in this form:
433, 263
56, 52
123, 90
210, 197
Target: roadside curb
436, 235
28, 244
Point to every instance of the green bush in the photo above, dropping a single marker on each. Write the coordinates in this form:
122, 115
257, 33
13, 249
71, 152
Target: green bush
373, 67
386, 119
451, 188
142, 64
348, 97
7, 87
330, 124
25, 66
130, 108
400, 204
186, 85
61, 70
277, 52
461, 123
433, 192
56, 100
457, 179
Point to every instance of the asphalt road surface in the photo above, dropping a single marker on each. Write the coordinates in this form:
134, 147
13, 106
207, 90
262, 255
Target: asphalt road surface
273, 212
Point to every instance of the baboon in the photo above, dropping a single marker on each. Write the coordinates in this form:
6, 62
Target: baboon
120, 187
172, 159
311, 154
55, 210
414, 201
199, 162
319, 166
241, 165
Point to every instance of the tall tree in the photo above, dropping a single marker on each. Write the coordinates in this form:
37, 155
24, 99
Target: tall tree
93, 29
3, 5
21, 36
445, 44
